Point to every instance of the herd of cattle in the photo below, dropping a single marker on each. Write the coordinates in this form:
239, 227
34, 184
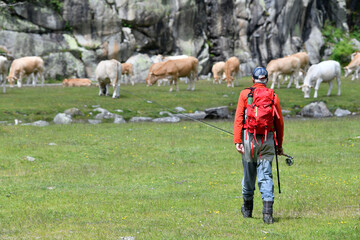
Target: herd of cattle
110, 72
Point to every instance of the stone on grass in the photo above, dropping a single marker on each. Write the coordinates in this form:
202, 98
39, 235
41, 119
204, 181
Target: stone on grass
119, 119
180, 109
166, 120
40, 123
94, 121
316, 110
217, 112
341, 112
141, 119
73, 112
198, 115
30, 159
101, 110
62, 118
52, 144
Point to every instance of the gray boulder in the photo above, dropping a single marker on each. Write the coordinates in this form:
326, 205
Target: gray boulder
141, 119
166, 120
316, 110
40, 123
198, 115
94, 121
119, 119
73, 112
141, 64
341, 112
62, 118
217, 112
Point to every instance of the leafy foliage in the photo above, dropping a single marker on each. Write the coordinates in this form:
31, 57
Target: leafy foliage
340, 41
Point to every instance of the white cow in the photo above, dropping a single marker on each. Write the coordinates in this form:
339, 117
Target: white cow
109, 72
324, 71
4, 65
353, 67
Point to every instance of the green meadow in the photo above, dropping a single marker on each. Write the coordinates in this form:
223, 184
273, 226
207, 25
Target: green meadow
170, 181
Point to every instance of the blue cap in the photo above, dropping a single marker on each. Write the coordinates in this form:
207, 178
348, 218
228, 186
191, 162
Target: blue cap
260, 73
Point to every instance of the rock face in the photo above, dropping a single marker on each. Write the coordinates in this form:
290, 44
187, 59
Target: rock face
74, 36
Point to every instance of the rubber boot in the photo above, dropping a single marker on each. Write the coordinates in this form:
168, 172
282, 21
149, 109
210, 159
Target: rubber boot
268, 212
247, 208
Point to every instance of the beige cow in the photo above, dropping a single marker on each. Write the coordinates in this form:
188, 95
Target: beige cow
127, 73
4, 65
284, 66
26, 66
76, 82
353, 67
232, 67
218, 70
109, 72
174, 69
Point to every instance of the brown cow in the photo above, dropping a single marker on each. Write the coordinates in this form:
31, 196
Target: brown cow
127, 73
232, 66
186, 67
353, 66
26, 66
218, 69
76, 82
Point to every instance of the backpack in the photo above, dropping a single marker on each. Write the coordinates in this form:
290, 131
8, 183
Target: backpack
260, 112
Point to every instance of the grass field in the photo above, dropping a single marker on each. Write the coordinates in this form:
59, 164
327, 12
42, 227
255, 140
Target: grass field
170, 181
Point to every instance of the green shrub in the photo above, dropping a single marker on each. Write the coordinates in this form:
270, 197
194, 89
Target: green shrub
342, 52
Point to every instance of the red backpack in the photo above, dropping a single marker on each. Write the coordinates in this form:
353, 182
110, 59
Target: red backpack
260, 112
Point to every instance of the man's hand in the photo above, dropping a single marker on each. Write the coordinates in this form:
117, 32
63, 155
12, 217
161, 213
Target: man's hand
240, 148
279, 151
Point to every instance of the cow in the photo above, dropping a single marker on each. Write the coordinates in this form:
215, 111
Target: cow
353, 67
151, 69
304, 60
4, 65
284, 66
76, 82
232, 66
324, 71
354, 54
127, 73
26, 66
218, 70
186, 67
108, 72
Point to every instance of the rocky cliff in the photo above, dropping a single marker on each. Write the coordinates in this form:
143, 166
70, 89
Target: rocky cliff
74, 35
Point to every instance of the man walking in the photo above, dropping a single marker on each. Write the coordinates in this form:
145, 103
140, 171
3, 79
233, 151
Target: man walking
258, 116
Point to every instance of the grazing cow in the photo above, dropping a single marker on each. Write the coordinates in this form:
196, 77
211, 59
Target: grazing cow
76, 82
26, 66
108, 72
304, 59
151, 69
284, 66
353, 67
218, 70
232, 66
174, 69
4, 65
127, 72
324, 71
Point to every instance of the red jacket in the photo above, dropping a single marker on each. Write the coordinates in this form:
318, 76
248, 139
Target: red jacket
239, 116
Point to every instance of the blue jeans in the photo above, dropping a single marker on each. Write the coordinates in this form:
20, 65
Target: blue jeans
259, 165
